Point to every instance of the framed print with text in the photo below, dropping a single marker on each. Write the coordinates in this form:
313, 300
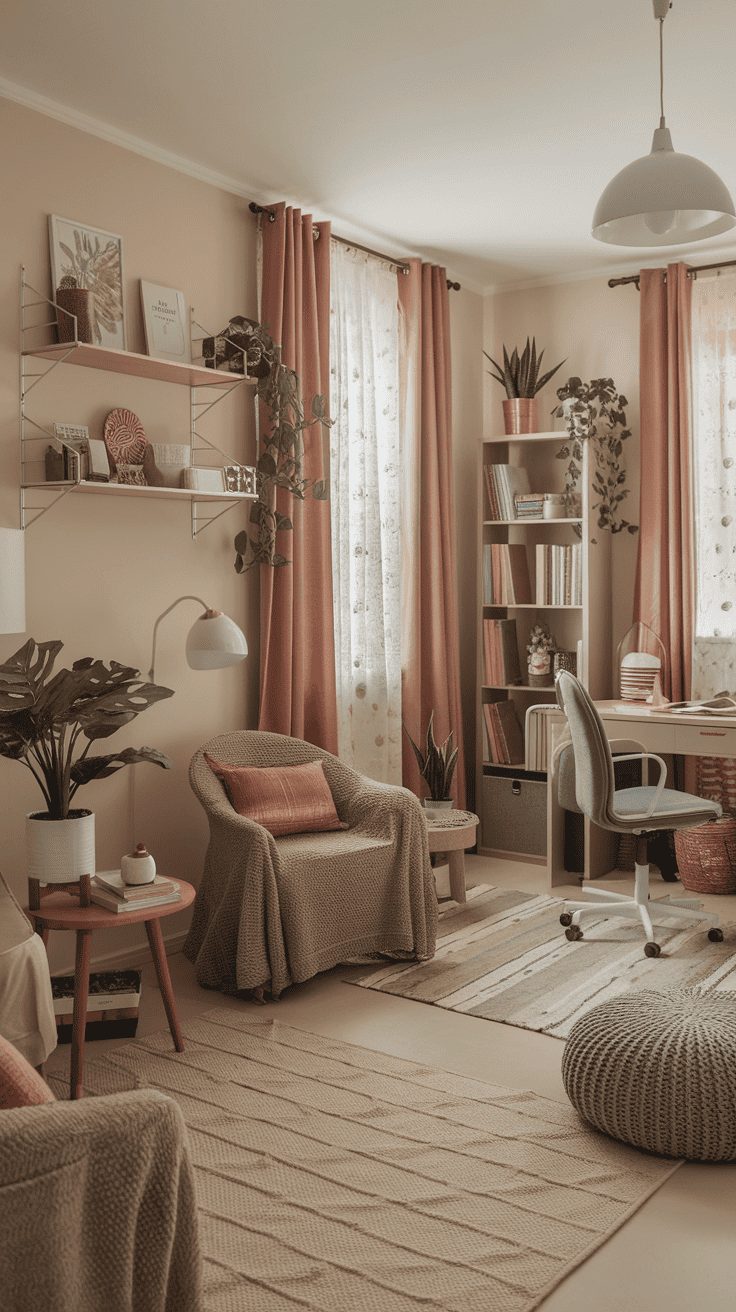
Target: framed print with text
164, 319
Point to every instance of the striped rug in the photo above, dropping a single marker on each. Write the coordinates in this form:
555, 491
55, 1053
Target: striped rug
503, 955
332, 1178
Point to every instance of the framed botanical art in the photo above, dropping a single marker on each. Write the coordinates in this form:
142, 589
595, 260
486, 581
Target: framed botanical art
164, 319
89, 258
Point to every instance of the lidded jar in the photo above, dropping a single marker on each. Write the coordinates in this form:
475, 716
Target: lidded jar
138, 867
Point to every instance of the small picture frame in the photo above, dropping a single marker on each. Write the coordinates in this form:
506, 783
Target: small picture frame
94, 259
239, 478
165, 323
74, 439
99, 465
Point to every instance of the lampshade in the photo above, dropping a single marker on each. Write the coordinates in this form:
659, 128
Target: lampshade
663, 199
215, 641
12, 581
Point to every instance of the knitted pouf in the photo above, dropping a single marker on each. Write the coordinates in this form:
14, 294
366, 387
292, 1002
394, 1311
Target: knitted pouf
658, 1071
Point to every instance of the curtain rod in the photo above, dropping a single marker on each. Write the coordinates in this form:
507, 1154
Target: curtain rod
692, 272
390, 259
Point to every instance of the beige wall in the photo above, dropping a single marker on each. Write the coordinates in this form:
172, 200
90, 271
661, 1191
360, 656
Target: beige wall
99, 571
595, 329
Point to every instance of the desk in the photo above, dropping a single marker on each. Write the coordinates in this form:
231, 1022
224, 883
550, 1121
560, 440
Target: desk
62, 911
633, 726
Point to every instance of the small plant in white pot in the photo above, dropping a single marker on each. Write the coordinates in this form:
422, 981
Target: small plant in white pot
42, 719
436, 767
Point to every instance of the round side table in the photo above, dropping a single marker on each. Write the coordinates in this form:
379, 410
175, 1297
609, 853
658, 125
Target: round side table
452, 832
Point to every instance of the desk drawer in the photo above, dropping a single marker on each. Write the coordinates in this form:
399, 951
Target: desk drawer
692, 740
658, 737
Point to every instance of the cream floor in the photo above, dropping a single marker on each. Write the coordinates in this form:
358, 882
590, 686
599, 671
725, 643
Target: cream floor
678, 1252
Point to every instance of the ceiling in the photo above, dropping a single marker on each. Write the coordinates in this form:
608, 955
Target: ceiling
476, 133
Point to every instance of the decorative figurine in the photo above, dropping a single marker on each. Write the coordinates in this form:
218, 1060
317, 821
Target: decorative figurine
540, 648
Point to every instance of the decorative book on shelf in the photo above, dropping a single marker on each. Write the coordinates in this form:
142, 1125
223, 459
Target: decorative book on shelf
501, 652
505, 734
506, 580
559, 574
503, 484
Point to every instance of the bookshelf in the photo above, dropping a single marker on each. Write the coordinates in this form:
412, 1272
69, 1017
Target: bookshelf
511, 799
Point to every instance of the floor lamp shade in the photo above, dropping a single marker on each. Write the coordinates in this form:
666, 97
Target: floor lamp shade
12, 581
663, 199
215, 641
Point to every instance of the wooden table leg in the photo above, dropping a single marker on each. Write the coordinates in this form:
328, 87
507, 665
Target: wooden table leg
79, 1019
155, 939
457, 875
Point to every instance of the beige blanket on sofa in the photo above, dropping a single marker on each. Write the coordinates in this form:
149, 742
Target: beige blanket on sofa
97, 1207
272, 912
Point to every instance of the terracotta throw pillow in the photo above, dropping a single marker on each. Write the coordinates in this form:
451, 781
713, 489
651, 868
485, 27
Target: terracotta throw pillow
20, 1084
285, 799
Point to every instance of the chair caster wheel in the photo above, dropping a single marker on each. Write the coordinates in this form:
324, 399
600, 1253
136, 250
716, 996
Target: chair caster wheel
652, 949
566, 918
715, 935
574, 933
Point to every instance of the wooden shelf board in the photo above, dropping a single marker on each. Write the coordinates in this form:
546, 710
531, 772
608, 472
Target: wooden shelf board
559, 436
494, 523
131, 490
525, 605
141, 366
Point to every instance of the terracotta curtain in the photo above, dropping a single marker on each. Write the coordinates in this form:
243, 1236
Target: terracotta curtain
297, 642
430, 628
663, 595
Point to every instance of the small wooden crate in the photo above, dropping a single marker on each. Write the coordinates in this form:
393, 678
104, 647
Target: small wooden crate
706, 856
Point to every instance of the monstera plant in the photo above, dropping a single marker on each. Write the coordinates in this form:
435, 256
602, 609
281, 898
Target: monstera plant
246, 346
44, 717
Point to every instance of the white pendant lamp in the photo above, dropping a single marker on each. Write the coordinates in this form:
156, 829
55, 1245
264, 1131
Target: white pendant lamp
664, 198
213, 642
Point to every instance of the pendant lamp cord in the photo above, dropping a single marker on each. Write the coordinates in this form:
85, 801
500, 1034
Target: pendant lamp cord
661, 73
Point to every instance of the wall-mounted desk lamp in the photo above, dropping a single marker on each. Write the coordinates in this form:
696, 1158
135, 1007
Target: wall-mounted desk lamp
12, 581
213, 641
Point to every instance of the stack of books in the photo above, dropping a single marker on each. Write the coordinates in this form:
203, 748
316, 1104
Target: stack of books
506, 579
537, 741
529, 505
109, 891
503, 484
501, 651
504, 734
559, 580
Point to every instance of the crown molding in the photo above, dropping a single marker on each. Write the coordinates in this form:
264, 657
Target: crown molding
669, 255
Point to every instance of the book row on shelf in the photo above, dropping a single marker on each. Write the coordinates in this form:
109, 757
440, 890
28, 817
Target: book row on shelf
536, 736
559, 574
505, 742
506, 580
510, 497
501, 652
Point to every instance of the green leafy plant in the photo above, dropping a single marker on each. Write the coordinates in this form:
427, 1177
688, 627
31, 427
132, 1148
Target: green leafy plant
520, 373
436, 764
42, 719
595, 412
281, 461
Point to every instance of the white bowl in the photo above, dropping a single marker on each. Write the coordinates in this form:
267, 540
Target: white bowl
171, 458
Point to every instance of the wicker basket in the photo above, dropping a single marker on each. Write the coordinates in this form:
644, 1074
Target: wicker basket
706, 856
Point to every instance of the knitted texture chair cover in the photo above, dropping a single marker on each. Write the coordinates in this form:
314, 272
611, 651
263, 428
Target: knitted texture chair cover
658, 1071
270, 912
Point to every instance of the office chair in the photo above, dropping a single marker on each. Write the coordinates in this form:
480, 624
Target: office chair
625, 811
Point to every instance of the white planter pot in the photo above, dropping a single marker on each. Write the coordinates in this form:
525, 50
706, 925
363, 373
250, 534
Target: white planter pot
59, 851
431, 804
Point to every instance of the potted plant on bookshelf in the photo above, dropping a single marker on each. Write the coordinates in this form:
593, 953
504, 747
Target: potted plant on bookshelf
42, 719
581, 405
520, 377
436, 767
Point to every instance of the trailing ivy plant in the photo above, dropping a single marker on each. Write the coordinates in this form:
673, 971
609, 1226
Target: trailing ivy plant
281, 460
595, 412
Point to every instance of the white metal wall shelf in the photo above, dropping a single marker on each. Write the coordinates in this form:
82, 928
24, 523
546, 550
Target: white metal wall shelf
207, 388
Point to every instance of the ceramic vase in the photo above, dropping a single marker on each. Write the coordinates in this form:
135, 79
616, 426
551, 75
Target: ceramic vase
432, 804
77, 301
521, 414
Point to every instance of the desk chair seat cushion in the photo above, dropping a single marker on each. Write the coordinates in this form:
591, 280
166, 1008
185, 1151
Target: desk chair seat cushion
673, 811
20, 1084
656, 1070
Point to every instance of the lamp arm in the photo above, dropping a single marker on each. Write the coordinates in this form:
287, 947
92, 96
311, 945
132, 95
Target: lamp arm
162, 616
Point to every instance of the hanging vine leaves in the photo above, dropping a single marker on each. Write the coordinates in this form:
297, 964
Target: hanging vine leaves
595, 412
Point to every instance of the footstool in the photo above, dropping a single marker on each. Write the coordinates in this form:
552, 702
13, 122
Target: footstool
658, 1071
450, 832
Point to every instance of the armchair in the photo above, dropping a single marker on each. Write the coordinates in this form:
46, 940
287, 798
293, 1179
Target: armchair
270, 912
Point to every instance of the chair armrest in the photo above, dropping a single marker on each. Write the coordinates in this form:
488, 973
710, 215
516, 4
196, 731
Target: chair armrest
643, 756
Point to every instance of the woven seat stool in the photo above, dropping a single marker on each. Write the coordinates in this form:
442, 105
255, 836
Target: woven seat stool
658, 1071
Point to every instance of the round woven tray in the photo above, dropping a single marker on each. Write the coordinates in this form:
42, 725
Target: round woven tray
706, 856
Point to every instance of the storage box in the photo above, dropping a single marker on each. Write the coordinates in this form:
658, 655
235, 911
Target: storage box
112, 1005
514, 814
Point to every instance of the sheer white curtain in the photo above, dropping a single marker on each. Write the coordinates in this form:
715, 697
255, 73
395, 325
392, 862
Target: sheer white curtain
365, 498
714, 467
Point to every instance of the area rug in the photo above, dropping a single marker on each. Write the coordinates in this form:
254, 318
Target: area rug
503, 955
331, 1177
